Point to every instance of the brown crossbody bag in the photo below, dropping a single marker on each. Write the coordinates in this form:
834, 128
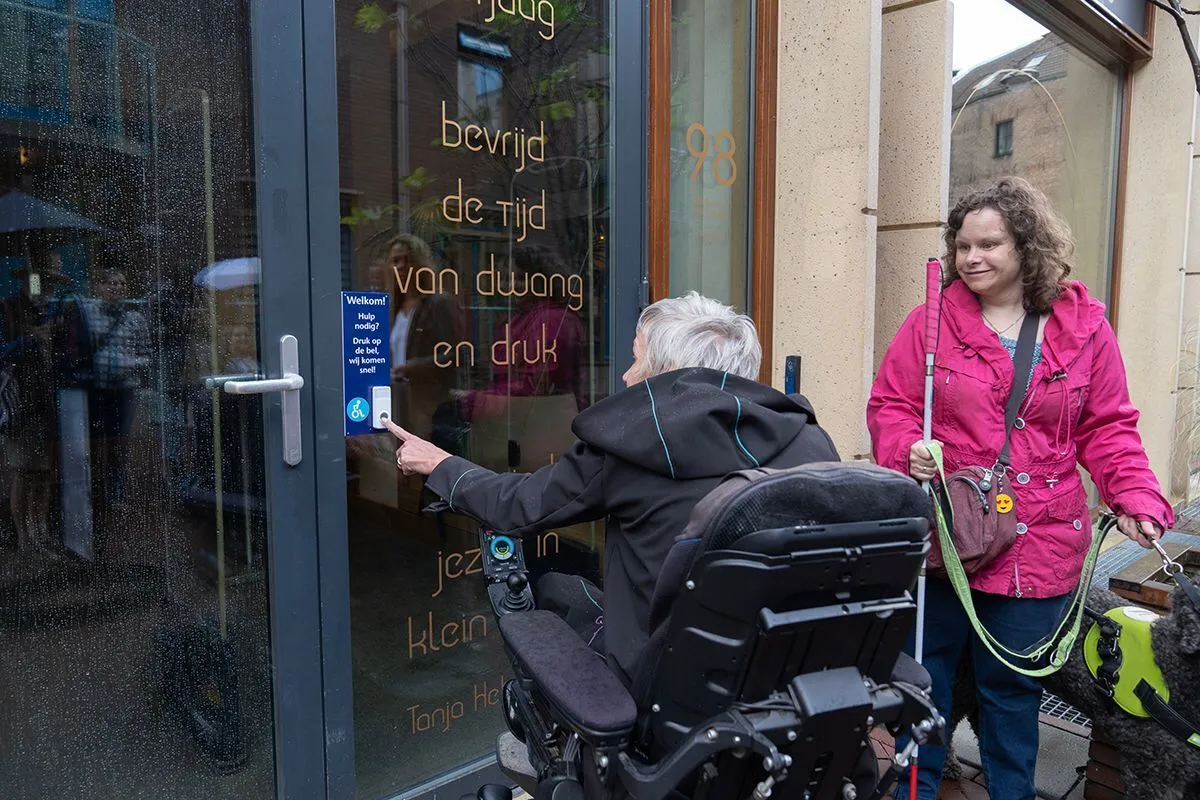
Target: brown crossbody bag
982, 499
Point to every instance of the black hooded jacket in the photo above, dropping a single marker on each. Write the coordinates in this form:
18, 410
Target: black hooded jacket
644, 458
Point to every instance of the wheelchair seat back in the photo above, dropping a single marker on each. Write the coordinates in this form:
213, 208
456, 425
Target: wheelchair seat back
780, 573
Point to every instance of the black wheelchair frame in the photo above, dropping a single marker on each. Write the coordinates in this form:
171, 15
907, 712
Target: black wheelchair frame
779, 656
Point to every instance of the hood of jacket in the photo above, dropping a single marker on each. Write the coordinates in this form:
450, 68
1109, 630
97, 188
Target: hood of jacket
695, 423
1073, 320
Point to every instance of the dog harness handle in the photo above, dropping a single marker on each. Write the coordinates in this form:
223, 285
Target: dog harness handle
1164, 715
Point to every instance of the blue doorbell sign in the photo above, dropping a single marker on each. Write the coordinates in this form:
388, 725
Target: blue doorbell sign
366, 357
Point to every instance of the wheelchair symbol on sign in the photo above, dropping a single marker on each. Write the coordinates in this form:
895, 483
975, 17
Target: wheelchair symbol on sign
357, 409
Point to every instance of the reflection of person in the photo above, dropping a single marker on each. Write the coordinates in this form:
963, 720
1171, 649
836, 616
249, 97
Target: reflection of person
692, 413
540, 323
118, 336
433, 318
380, 279
1008, 255
241, 351
33, 350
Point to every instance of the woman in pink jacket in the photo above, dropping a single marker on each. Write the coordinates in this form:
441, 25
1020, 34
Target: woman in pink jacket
1008, 255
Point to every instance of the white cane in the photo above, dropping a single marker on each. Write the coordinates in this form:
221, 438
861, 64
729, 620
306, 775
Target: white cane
933, 288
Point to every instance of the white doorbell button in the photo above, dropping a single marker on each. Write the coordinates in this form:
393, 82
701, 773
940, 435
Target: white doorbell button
381, 406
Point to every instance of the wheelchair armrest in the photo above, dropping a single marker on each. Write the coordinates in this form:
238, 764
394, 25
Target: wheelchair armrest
907, 670
573, 678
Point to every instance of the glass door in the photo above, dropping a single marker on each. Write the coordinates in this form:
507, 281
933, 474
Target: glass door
160, 634
474, 143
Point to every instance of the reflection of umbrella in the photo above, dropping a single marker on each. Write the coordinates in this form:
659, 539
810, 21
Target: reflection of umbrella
24, 220
229, 274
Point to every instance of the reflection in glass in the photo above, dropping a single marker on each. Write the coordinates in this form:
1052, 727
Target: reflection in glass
1039, 108
711, 73
474, 179
133, 592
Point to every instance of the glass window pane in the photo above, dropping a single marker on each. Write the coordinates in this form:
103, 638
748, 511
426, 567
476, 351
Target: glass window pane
474, 173
711, 73
99, 95
33, 50
1025, 102
134, 617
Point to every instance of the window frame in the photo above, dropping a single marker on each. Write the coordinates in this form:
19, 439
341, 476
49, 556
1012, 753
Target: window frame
761, 225
1002, 148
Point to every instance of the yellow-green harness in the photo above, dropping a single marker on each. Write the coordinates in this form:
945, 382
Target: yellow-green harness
1119, 654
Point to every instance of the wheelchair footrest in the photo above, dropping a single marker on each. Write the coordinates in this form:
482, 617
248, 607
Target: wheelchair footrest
513, 758
573, 678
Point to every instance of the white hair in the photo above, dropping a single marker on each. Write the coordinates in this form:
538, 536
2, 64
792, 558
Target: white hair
697, 331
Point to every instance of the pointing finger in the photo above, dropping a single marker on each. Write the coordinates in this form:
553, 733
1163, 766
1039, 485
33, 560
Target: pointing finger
397, 431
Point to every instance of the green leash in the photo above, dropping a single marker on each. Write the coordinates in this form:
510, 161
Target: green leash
1067, 629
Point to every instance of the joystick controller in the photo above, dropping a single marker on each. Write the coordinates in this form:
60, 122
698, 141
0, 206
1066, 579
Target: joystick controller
504, 568
517, 598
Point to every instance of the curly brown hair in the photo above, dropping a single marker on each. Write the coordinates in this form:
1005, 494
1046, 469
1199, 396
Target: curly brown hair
1043, 241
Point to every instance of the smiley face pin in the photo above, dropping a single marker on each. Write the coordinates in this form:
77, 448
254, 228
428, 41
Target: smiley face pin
1004, 503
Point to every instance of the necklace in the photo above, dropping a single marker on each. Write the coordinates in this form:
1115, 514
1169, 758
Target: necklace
999, 332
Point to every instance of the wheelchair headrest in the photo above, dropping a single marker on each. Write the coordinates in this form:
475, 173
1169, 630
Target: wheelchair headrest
822, 493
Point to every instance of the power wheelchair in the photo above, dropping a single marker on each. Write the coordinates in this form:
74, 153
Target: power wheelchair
776, 632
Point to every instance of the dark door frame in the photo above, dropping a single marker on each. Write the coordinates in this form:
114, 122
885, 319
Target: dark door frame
299, 620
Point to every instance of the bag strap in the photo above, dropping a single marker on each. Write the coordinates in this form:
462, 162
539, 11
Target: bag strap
1059, 643
1022, 371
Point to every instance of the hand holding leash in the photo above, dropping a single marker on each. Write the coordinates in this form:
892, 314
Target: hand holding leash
1144, 532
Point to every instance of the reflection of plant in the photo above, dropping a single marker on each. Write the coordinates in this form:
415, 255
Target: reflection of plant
551, 81
424, 217
370, 18
546, 87
417, 180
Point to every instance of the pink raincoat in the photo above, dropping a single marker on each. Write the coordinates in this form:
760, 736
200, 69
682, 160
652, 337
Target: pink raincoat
1077, 411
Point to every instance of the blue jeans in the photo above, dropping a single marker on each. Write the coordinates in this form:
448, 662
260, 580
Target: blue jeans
1008, 701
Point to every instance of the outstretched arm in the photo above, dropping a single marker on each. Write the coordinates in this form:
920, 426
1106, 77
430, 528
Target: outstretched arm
568, 491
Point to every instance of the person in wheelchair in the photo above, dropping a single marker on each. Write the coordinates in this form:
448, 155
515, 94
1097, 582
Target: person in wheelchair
692, 412
776, 631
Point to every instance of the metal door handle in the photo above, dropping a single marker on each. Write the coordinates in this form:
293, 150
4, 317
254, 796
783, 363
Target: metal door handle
289, 385
290, 382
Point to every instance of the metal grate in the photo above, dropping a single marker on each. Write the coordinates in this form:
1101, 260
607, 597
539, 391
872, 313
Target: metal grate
1059, 709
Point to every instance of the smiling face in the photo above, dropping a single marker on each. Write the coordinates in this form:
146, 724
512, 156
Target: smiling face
111, 286
986, 256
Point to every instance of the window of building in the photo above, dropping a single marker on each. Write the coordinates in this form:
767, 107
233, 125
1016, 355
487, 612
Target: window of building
481, 77
1004, 138
98, 87
712, 153
1007, 65
33, 50
480, 89
710, 178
